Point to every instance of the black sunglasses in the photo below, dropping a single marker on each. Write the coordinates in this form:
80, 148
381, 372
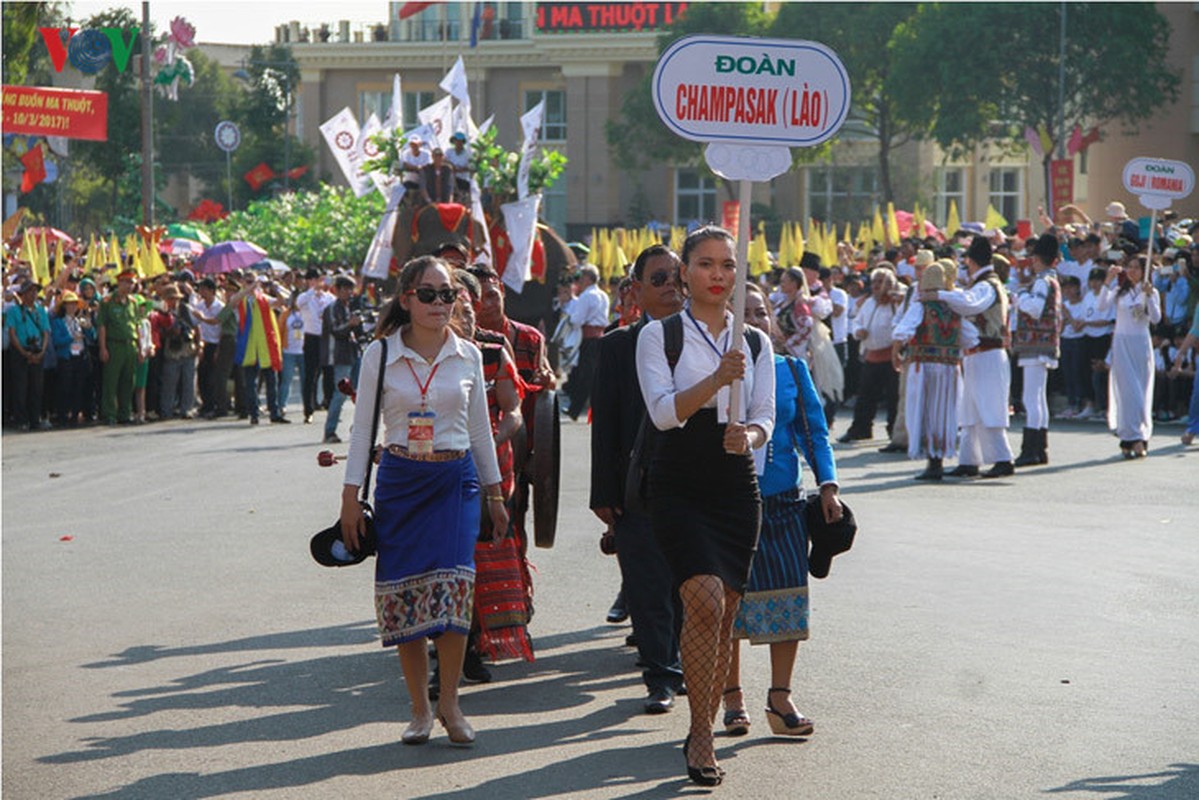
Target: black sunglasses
427, 295
661, 278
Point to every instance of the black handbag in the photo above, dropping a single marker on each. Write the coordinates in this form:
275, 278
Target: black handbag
825, 539
634, 483
326, 546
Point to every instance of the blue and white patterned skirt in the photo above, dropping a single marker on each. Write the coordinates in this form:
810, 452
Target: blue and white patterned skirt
775, 605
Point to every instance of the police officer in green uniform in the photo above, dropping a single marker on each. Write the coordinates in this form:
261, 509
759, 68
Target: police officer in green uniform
116, 322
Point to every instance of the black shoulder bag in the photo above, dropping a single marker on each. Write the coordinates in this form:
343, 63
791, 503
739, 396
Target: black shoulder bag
327, 547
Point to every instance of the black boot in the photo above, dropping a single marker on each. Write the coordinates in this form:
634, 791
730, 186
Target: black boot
964, 471
933, 472
1001, 469
1043, 446
1028, 448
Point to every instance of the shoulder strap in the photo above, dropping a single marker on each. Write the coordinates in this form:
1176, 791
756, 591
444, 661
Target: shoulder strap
755, 344
672, 340
370, 462
802, 413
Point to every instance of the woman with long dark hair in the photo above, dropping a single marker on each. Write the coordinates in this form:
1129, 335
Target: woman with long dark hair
702, 491
437, 450
1130, 380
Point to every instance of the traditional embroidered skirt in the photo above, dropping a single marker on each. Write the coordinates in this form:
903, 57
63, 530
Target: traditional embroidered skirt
775, 605
427, 519
704, 502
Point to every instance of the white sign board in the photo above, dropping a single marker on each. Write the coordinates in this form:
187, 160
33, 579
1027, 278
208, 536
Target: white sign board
734, 90
1158, 182
227, 135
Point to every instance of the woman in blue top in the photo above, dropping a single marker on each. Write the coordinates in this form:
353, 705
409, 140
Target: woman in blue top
774, 609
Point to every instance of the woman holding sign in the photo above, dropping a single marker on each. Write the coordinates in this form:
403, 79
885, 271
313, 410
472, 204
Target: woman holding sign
1130, 382
437, 449
703, 493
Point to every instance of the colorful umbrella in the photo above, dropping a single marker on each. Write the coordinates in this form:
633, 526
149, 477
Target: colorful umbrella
180, 247
274, 265
907, 221
228, 256
182, 230
53, 234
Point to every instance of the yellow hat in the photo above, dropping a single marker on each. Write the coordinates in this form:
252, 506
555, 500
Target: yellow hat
68, 297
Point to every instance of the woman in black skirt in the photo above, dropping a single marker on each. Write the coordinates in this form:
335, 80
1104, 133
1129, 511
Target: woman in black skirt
702, 490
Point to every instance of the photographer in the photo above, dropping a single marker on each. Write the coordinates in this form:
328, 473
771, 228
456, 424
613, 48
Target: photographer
177, 337
344, 324
28, 327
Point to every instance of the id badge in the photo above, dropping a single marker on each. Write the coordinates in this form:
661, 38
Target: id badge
420, 432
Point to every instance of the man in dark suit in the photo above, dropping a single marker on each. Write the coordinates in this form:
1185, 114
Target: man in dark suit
617, 410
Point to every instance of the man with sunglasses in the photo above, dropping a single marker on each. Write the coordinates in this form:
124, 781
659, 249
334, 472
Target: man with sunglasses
617, 411
344, 325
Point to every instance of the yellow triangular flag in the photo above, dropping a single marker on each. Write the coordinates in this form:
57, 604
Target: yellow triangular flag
863, 240
892, 226
785, 246
798, 245
29, 252
678, 235
43, 259
114, 250
59, 259
994, 218
877, 230
1046, 140
954, 223
918, 222
848, 233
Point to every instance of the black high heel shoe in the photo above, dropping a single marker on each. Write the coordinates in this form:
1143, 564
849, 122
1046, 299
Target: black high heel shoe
786, 724
704, 776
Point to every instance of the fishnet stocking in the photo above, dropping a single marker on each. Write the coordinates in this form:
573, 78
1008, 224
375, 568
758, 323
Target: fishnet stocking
705, 645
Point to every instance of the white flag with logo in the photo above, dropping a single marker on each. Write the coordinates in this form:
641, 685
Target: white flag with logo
530, 123
463, 122
341, 134
367, 150
487, 123
520, 218
395, 114
454, 83
440, 116
378, 257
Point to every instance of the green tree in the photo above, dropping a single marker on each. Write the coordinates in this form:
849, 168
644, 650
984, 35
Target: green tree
969, 73
859, 33
22, 56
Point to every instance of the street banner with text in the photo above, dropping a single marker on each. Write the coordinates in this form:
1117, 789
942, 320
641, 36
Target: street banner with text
66, 113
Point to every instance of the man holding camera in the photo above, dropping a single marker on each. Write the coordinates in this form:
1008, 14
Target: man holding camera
344, 325
28, 327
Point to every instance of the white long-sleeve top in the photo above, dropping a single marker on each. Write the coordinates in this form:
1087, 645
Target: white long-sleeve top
1032, 302
969, 302
877, 320
905, 327
1132, 316
457, 395
697, 361
589, 308
312, 304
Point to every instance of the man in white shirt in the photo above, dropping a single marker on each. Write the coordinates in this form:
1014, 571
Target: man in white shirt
411, 162
312, 304
1098, 326
587, 311
878, 380
458, 157
208, 304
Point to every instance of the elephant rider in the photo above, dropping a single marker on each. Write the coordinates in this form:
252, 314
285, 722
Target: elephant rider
437, 179
411, 162
459, 158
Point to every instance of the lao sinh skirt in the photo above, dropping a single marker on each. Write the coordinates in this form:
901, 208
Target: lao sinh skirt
427, 520
704, 502
775, 605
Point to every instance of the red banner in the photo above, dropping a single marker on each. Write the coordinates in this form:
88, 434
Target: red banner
730, 216
580, 17
69, 113
1061, 177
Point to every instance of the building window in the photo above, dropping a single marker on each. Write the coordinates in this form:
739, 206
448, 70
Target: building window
437, 23
694, 197
1007, 192
500, 21
837, 194
413, 103
1082, 162
553, 204
951, 187
373, 102
553, 122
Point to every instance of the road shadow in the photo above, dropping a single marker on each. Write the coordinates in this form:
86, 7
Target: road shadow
334, 693
1177, 782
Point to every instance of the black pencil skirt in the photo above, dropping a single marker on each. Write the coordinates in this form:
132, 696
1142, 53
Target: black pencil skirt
704, 503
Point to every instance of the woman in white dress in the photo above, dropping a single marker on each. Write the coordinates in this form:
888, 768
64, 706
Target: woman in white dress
1130, 382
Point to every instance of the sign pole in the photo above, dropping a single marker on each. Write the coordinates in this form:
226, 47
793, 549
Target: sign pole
743, 196
229, 178
1148, 271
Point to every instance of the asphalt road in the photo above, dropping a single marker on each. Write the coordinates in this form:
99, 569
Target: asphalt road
1031, 637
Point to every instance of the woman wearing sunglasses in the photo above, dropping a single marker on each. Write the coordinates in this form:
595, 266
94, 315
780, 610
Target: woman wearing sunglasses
702, 491
437, 449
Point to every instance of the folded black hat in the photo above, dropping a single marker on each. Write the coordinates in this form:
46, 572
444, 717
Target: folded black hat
329, 550
827, 539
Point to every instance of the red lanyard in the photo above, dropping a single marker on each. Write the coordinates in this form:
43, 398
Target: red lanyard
424, 389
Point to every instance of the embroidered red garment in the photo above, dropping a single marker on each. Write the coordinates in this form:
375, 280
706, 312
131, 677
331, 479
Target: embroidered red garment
501, 601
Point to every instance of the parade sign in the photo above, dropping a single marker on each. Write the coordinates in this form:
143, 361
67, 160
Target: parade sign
1158, 182
731, 89
1061, 172
67, 113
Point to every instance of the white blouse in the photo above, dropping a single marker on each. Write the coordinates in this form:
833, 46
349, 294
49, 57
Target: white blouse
697, 361
457, 395
1134, 312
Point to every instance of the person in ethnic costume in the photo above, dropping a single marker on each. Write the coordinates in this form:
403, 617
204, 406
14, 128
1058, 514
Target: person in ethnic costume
984, 408
437, 451
259, 349
935, 337
899, 431
1130, 382
774, 609
1036, 342
703, 493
